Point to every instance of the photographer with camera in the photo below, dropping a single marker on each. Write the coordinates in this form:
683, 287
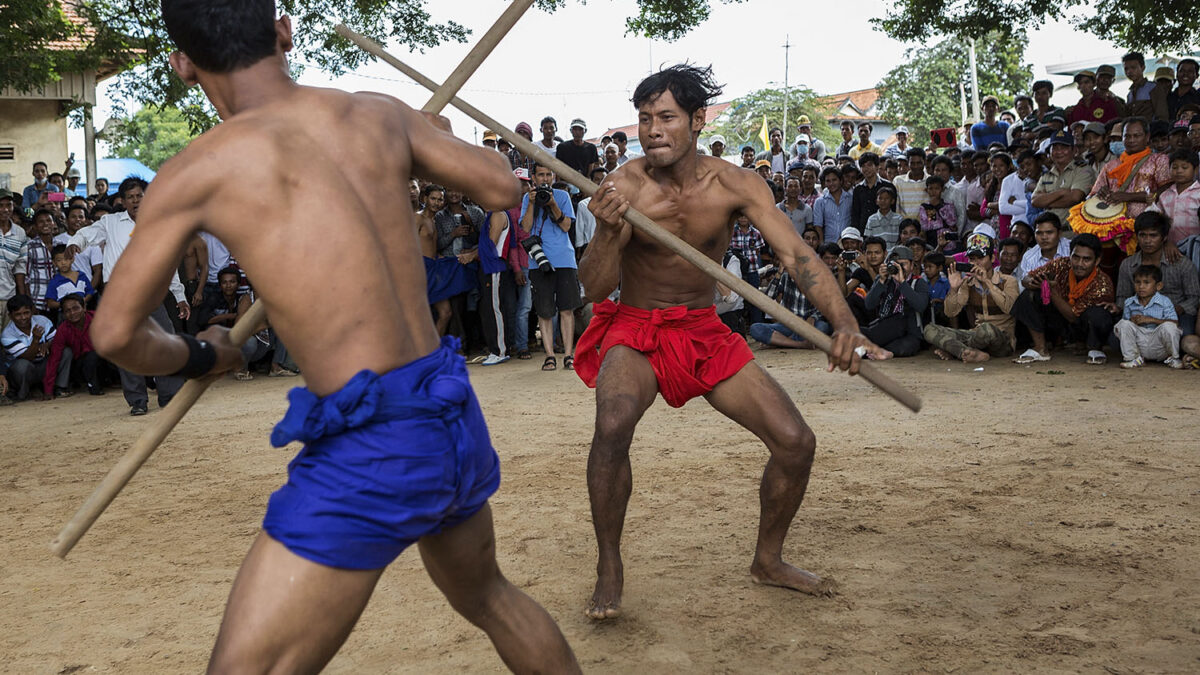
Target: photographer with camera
547, 215
988, 295
897, 300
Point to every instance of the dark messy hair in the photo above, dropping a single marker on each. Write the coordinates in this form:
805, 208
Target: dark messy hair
222, 36
693, 87
130, 183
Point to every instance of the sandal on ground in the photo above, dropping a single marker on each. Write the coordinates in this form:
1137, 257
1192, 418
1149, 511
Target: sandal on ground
569, 363
524, 355
1031, 356
475, 360
243, 376
1096, 358
282, 372
549, 364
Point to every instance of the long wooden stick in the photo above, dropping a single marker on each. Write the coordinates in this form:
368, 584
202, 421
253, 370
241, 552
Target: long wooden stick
756, 297
190, 392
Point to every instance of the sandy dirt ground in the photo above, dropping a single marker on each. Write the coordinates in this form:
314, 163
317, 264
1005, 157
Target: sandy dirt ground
1023, 522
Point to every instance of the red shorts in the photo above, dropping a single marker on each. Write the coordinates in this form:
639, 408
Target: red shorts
690, 350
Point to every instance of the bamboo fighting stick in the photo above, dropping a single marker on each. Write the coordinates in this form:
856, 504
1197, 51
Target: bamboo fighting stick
148, 442
867, 369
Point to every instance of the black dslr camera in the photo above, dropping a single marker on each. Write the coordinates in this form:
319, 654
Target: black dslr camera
543, 194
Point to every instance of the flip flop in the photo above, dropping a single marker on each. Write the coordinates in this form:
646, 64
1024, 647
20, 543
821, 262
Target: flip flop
569, 363
550, 364
1097, 359
524, 355
1031, 356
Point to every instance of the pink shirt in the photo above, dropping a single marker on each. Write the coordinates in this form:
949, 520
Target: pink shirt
1182, 209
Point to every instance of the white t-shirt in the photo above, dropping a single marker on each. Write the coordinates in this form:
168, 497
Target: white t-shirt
113, 232
735, 302
218, 256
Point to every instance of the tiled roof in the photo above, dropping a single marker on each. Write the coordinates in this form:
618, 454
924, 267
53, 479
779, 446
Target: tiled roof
74, 42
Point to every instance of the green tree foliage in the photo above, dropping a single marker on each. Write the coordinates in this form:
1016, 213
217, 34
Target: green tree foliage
131, 32
151, 136
922, 92
1155, 26
741, 123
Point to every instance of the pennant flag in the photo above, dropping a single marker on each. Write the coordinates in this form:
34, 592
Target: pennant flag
765, 135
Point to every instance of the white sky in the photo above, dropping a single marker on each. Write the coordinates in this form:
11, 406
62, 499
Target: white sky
588, 68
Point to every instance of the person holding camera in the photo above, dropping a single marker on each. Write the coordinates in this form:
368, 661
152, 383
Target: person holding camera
988, 294
547, 214
897, 299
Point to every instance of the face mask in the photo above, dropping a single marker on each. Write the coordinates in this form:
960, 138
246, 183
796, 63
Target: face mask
802, 149
1116, 147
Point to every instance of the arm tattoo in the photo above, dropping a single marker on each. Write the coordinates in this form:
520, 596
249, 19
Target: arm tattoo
804, 276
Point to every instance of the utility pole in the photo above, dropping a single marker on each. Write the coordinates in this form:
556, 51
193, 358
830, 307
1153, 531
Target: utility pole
787, 46
962, 102
974, 81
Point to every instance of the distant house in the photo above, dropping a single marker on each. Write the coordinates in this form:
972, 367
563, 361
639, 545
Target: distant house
33, 125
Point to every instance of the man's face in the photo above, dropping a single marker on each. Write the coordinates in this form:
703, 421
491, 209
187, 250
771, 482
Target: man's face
874, 254
56, 180
62, 262
1135, 138
850, 245
906, 268
43, 225
621, 143
453, 197
228, 284
543, 177
764, 171
6, 211
1185, 74
1194, 136
1046, 235
1103, 82
72, 311
577, 133
776, 140
811, 238
830, 260
916, 165
610, 155
1041, 96
23, 317
908, 232
1083, 261
489, 143
597, 176
902, 139
1160, 144
1010, 257
870, 170
832, 182
667, 133
717, 149
792, 189
1024, 108
414, 192
133, 200
902, 165
1094, 143
1133, 70
990, 108
548, 130
850, 179
39, 173
747, 156
1182, 172
847, 131
942, 170
1086, 86
808, 179
1062, 154
1150, 241
503, 146
864, 134
435, 200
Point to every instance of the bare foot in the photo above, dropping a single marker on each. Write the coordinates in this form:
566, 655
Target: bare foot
942, 354
974, 356
606, 600
880, 354
787, 576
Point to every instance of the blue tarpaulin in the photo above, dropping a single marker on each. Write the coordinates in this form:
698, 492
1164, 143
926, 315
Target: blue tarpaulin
117, 170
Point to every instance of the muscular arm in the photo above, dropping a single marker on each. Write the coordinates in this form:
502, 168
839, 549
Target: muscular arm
600, 268
441, 157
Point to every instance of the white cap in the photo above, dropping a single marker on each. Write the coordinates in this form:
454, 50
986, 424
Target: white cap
902, 130
851, 233
74, 173
717, 138
984, 228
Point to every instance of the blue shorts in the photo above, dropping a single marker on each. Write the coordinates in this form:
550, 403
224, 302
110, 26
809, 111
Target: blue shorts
387, 460
446, 278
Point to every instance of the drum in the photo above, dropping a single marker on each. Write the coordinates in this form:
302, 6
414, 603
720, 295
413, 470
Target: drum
1105, 220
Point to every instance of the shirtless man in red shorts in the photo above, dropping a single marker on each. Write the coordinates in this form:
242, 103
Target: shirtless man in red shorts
664, 334
395, 451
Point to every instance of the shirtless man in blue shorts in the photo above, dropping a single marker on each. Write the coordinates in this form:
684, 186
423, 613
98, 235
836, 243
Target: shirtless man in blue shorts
396, 451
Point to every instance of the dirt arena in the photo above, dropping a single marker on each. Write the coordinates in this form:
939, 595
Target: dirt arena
1024, 522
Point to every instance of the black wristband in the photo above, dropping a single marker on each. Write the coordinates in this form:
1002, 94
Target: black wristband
201, 359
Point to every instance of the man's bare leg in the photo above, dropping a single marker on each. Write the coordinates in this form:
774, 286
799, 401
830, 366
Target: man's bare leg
462, 563
287, 614
756, 401
442, 308
566, 326
625, 388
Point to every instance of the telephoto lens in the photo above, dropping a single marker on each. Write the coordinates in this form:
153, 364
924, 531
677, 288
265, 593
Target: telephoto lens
533, 246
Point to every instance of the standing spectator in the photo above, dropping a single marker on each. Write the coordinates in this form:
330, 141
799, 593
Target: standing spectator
797, 211
622, 141
885, 222
1076, 302
911, 187
1137, 175
1002, 168
516, 158
848, 140
816, 148
39, 264
113, 232
557, 291
610, 159
27, 340
578, 153
989, 294
1105, 75
1148, 328
776, 155
748, 157
67, 280
1066, 183
489, 139
548, 142
1185, 93
897, 300
862, 204
101, 191
831, 211
73, 341
1095, 139
937, 216
217, 258
1164, 78
989, 130
34, 196
1091, 107
900, 147
585, 222
1043, 110
1051, 245
1024, 106
518, 261
716, 145
808, 184
457, 224
74, 175
12, 256
1138, 102
1013, 203
1181, 200
865, 144
1178, 279
497, 289
943, 167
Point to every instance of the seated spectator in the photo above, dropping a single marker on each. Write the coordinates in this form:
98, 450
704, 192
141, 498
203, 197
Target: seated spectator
1178, 280
1023, 232
1181, 200
934, 268
831, 211
1137, 175
786, 292
1011, 251
1047, 234
937, 216
988, 295
729, 305
863, 273
1148, 328
89, 261
27, 340
73, 341
1066, 183
885, 222
897, 300
1076, 302
67, 280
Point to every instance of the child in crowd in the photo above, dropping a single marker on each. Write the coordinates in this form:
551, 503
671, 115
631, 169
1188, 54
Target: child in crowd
919, 249
1149, 326
1181, 200
933, 266
909, 228
68, 280
937, 215
885, 223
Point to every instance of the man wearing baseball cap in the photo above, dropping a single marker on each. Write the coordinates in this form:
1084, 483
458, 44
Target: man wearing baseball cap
896, 150
716, 145
578, 153
816, 147
1066, 183
1095, 139
991, 295
1105, 75
1092, 107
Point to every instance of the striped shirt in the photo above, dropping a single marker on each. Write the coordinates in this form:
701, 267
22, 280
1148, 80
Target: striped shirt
911, 194
1183, 208
17, 343
39, 269
12, 260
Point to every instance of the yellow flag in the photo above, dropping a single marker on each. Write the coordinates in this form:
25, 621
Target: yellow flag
765, 135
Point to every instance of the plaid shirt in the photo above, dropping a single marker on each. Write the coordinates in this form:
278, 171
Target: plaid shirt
747, 243
1183, 208
516, 160
39, 269
787, 293
1058, 273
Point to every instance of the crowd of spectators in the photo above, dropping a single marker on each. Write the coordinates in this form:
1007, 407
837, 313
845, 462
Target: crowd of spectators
970, 248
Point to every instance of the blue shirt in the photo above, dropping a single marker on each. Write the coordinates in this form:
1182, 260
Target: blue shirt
555, 242
1160, 307
30, 196
982, 135
940, 288
61, 286
831, 215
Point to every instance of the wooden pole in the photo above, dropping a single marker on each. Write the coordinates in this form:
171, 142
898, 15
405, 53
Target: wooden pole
148, 442
756, 297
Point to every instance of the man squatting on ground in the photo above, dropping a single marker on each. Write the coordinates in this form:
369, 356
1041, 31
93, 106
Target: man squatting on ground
664, 334
396, 450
